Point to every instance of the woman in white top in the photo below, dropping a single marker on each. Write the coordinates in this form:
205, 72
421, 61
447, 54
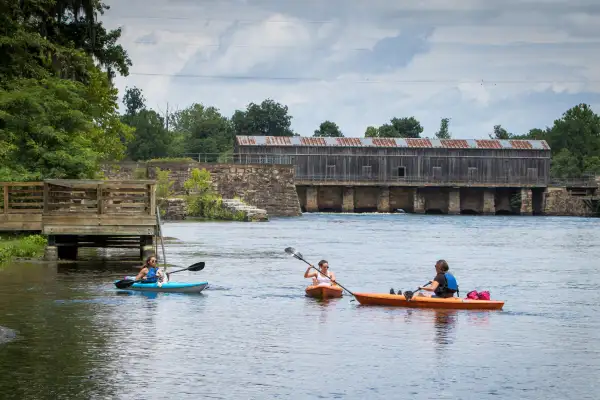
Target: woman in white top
325, 279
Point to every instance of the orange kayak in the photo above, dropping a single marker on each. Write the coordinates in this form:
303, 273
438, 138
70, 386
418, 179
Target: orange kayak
454, 303
324, 292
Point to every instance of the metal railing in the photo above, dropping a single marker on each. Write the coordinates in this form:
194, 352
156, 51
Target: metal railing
586, 181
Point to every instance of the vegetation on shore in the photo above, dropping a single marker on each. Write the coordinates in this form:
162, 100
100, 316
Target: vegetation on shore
201, 199
23, 246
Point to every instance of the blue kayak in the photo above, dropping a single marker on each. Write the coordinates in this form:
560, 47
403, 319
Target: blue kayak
169, 287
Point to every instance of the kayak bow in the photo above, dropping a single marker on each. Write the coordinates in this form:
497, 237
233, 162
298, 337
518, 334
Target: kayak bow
324, 292
454, 303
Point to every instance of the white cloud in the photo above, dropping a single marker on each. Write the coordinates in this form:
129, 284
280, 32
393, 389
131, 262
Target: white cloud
479, 62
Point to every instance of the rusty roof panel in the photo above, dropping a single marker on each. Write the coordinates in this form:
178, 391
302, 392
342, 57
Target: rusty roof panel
418, 143
488, 144
384, 142
521, 144
278, 140
313, 141
349, 142
454, 144
393, 142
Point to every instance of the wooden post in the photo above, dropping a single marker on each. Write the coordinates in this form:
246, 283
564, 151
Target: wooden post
6, 198
152, 194
46, 197
99, 200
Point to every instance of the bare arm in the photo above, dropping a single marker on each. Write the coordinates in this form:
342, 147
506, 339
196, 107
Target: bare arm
309, 273
432, 287
142, 274
333, 282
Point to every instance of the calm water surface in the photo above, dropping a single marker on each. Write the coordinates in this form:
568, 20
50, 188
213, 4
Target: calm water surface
253, 335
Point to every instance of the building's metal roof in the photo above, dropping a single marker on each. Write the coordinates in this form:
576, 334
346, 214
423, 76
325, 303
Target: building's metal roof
295, 141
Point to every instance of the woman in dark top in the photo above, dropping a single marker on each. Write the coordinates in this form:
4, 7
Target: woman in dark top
444, 284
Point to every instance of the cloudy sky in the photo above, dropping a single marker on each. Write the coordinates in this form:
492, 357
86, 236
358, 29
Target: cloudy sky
519, 63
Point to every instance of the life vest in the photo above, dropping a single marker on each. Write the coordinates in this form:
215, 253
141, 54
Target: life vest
151, 276
451, 284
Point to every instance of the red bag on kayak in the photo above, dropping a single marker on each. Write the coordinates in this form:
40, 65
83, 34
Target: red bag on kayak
485, 295
473, 295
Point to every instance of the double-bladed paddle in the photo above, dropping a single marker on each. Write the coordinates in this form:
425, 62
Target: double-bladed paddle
125, 283
408, 295
296, 254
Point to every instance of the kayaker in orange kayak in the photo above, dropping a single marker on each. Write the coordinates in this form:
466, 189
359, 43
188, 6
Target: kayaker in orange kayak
444, 284
150, 272
319, 279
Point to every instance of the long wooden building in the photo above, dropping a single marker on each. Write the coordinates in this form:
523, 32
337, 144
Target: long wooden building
422, 165
404, 161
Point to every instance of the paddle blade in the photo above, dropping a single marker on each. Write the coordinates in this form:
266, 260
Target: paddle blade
292, 252
197, 267
124, 283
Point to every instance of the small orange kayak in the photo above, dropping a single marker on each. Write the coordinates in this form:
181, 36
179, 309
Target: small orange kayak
453, 303
324, 292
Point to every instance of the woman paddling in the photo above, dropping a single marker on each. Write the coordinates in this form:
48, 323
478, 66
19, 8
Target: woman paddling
150, 273
444, 284
325, 279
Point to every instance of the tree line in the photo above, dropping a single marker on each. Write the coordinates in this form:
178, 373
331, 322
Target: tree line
59, 113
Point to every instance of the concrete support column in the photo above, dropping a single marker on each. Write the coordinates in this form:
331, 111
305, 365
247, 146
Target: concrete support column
419, 202
526, 202
454, 201
489, 202
348, 200
383, 203
312, 199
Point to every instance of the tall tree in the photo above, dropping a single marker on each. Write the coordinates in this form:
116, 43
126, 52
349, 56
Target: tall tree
444, 132
371, 131
500, 133
58, 109
407, 127
268, 118
397, 128
328, 129
204, 130
578, 131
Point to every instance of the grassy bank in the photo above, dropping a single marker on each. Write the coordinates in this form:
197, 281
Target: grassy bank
27, 246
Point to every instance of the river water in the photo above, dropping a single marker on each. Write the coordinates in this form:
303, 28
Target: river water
254, 335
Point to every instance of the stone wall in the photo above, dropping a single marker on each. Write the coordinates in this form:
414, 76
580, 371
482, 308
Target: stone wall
269, 187
559, 202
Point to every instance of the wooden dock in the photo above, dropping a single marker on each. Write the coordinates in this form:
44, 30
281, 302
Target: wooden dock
81, 213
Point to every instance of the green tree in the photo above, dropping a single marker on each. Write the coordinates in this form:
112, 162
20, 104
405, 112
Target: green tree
397, 128
407, 127
151, 138
444, 132
371, 132
564, 165
134, 101
578, 131
203, 130
328, 129
501, 133
57, 128
58, 109
268, 118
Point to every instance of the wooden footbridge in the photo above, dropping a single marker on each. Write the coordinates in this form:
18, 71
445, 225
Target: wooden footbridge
81, 213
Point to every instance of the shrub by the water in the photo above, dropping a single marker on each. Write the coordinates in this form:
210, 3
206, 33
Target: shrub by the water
31, 246
203, 202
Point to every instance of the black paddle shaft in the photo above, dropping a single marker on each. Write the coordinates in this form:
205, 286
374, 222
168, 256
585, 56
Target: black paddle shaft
299, 257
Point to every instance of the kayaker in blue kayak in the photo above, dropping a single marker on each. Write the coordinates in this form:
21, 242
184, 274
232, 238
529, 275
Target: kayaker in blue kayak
150, 273
444, 284
319, 279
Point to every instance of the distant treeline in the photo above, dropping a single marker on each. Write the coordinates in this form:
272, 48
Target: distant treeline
59, 109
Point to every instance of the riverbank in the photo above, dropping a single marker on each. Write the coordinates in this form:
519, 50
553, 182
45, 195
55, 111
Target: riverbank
22, 246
